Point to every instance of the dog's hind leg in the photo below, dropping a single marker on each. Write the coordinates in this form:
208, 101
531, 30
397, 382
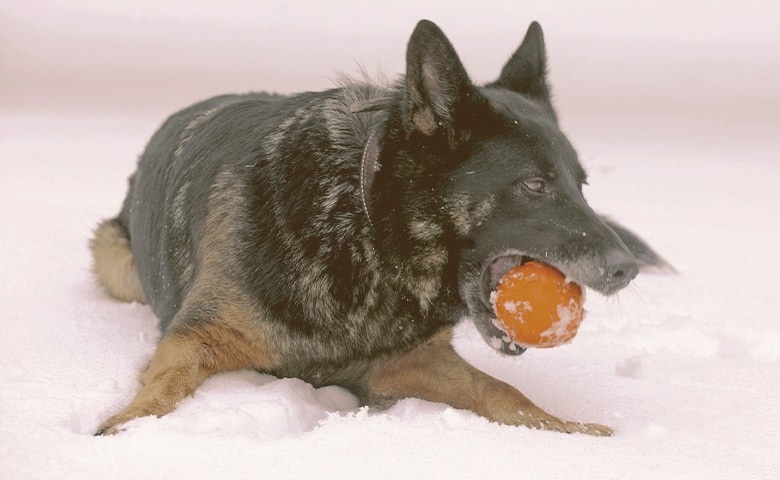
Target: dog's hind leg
185, 357
435, 372
113, 262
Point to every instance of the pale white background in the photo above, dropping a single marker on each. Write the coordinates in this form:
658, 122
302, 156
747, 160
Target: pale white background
672, 105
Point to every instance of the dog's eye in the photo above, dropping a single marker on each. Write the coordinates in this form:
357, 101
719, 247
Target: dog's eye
535, 185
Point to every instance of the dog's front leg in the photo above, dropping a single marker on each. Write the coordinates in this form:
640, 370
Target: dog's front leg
184, 358
435, 372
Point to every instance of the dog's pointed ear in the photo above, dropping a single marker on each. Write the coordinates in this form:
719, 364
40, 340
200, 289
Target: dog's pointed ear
526, 70
436, 82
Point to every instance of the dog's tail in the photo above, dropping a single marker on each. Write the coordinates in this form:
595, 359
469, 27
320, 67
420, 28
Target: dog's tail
113, 264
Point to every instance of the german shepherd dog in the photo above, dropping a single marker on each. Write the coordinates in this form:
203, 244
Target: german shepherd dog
338, 236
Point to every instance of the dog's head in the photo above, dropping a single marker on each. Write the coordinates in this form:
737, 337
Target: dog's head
505, 180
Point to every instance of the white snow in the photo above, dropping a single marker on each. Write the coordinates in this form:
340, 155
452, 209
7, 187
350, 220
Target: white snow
673, 107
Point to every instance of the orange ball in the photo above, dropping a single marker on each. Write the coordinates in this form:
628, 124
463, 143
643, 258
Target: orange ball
537, 307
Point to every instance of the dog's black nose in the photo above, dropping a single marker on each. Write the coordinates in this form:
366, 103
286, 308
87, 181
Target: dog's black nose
620, 268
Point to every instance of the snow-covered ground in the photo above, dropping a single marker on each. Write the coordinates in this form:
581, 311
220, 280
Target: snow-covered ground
674, 111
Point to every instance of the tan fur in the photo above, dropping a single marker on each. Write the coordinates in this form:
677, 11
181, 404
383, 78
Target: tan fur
434, 371
113, 262
467, 215
425, 122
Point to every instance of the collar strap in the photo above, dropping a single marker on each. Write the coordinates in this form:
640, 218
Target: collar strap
369, 165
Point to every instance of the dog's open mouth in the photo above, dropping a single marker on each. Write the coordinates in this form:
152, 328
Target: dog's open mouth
487, 323
493, 272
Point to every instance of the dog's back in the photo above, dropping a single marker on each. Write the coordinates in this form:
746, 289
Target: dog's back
164, 178
257, 197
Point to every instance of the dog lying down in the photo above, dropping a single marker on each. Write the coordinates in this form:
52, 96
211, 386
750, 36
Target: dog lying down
338, 236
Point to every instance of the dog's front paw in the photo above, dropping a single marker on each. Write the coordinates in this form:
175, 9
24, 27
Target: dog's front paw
113, 425
543, 421
109, 427
594, 429
533, 417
